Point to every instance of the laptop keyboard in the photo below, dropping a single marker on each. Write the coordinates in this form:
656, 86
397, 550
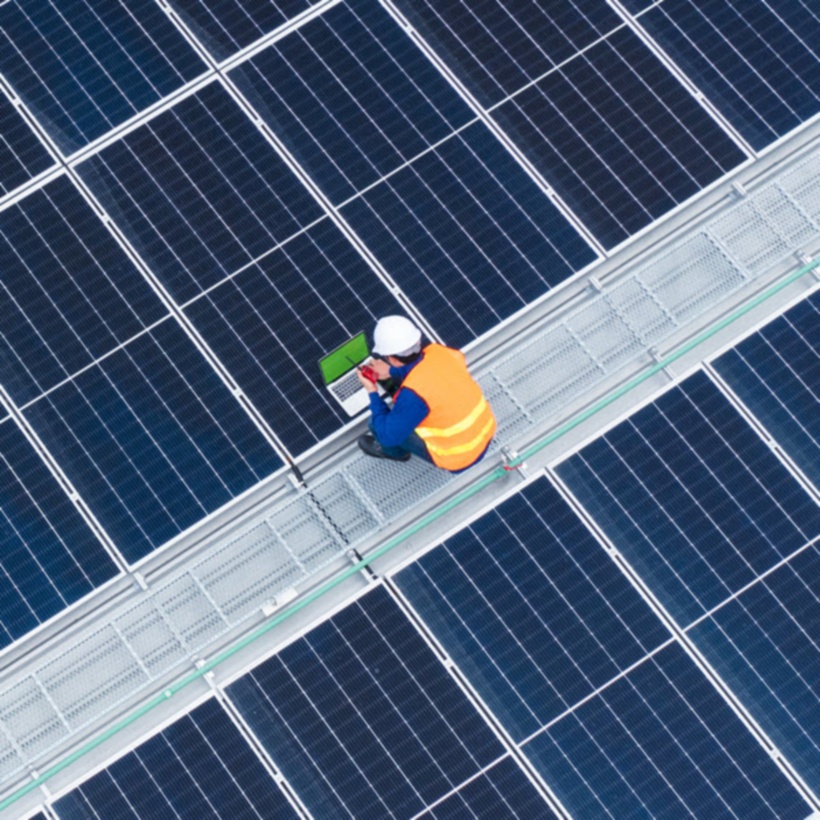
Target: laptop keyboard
346, 386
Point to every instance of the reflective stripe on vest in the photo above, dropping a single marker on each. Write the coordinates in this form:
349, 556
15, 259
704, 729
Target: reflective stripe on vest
460, 423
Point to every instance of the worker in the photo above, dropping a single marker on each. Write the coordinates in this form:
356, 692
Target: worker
439, 412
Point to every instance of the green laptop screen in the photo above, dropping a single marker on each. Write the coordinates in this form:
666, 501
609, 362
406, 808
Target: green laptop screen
344, 358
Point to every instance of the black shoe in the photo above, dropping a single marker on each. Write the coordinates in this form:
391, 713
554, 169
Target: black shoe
371, 447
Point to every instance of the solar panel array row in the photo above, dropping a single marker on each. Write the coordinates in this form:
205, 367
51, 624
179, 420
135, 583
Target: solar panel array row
159, 361
516, 663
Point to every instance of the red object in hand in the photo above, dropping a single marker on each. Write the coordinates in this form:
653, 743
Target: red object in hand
369, 373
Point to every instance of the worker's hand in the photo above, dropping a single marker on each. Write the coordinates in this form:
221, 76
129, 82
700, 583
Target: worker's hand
381, 367
366, 383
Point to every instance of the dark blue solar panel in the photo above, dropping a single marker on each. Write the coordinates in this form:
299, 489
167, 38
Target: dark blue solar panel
661, 743
501, 792
84, 66
272, 323
50, 558
756, 61
531, 608
693, 497
467, 235
199, 192
362, 718
22, 155
764, 644
618, 137
776, 372
225, 26
498, 46
152, 439
199, 767
352, 97
69, 295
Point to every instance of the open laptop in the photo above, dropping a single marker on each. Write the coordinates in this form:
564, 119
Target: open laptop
340, 377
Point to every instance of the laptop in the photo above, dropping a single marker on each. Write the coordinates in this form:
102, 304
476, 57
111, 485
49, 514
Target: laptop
340, 377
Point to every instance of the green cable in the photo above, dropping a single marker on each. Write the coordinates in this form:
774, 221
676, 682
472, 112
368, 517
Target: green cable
388, 545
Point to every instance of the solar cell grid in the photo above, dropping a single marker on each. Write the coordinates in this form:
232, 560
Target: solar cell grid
499, 46
199, 767
225, 26
362, 718
467, 235
532, 609
199, 192
765, 644
693, 498
271, 323
503, 791
151, 439
661, 743
756, 61
69, 294
85, 66
776, 373
352, 97
22, 155
50, 556
616, 135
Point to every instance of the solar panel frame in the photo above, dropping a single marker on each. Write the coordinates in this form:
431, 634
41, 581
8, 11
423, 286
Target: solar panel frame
721, 487
775, 374
227, 26
199, 765
617, 136
503, 790
152, 439
350, 744
630, 751
272, 322
22, 154
80, 83
189, 243
764, 644
70, 295
755, 64
528, 605
51, 556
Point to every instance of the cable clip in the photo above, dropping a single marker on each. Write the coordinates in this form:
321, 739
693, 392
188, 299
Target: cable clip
508, 457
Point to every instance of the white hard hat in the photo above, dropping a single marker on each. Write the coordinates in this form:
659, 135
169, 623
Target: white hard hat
396, 336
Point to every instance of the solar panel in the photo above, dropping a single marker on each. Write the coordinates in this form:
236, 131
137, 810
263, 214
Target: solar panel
611, 130
764, 642
661, 742
69, 296
756, 62
776, 373
501, 791
200, 766
50, 557
527, 603
152, 439
497, 48
362, 718
461, 228
618, 137
199, 192
85, 67
224, 26
22, 155
694, 499
271, 323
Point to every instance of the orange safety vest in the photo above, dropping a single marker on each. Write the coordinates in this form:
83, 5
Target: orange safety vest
460, 423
